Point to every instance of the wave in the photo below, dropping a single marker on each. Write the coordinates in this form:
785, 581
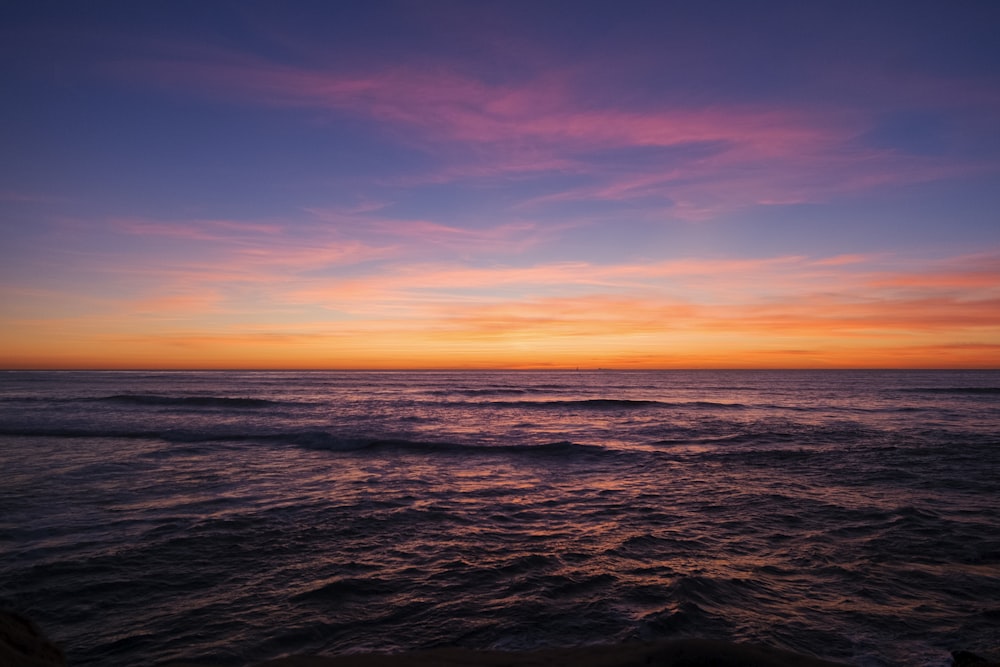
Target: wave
156, 400
478, 392
188, 401
327, 441
29, 432
337, 589
953, 390
606, 404
317, 440
701, 441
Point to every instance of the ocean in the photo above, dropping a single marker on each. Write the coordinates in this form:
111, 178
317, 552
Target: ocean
231, 517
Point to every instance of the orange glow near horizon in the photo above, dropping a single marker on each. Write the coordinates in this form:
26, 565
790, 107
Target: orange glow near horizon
441, 357
743, 314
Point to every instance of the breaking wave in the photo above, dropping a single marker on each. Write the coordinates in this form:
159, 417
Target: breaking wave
612, 404
188, 401
316, 440
995, 391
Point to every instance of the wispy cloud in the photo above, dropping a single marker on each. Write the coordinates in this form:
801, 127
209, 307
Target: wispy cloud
721, 158
498, 239
18, 197
196, 230
662, 315
242, 247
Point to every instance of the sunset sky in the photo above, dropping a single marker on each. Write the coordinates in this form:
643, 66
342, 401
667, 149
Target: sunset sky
499, 184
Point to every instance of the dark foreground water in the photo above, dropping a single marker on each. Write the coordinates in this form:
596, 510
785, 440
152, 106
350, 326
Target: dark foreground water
234, 517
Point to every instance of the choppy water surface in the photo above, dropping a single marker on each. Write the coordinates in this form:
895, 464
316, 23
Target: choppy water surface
233, 517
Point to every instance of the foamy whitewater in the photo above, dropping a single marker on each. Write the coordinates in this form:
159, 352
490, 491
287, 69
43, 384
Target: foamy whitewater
232, 517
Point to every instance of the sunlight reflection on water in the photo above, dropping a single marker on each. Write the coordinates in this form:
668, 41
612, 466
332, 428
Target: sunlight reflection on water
344, 510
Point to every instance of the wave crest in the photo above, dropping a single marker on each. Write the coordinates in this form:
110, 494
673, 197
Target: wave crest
188, 401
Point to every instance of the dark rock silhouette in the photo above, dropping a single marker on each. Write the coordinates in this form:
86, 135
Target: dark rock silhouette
22, 644
970, 659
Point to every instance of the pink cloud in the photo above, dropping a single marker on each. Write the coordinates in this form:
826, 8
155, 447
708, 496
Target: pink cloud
195, 230
411, 288
415, 234
785, 296
449, 106
184, 305
252, 245
27, 197
969, 274
762, 154
845, 308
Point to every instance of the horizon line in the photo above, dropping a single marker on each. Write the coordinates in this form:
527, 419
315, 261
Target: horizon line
473, 369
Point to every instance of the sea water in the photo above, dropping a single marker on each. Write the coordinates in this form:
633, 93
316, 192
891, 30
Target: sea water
237, 516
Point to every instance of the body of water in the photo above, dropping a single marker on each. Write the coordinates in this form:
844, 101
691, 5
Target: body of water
237, 516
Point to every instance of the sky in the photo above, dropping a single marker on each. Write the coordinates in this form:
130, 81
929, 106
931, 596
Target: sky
487, 184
